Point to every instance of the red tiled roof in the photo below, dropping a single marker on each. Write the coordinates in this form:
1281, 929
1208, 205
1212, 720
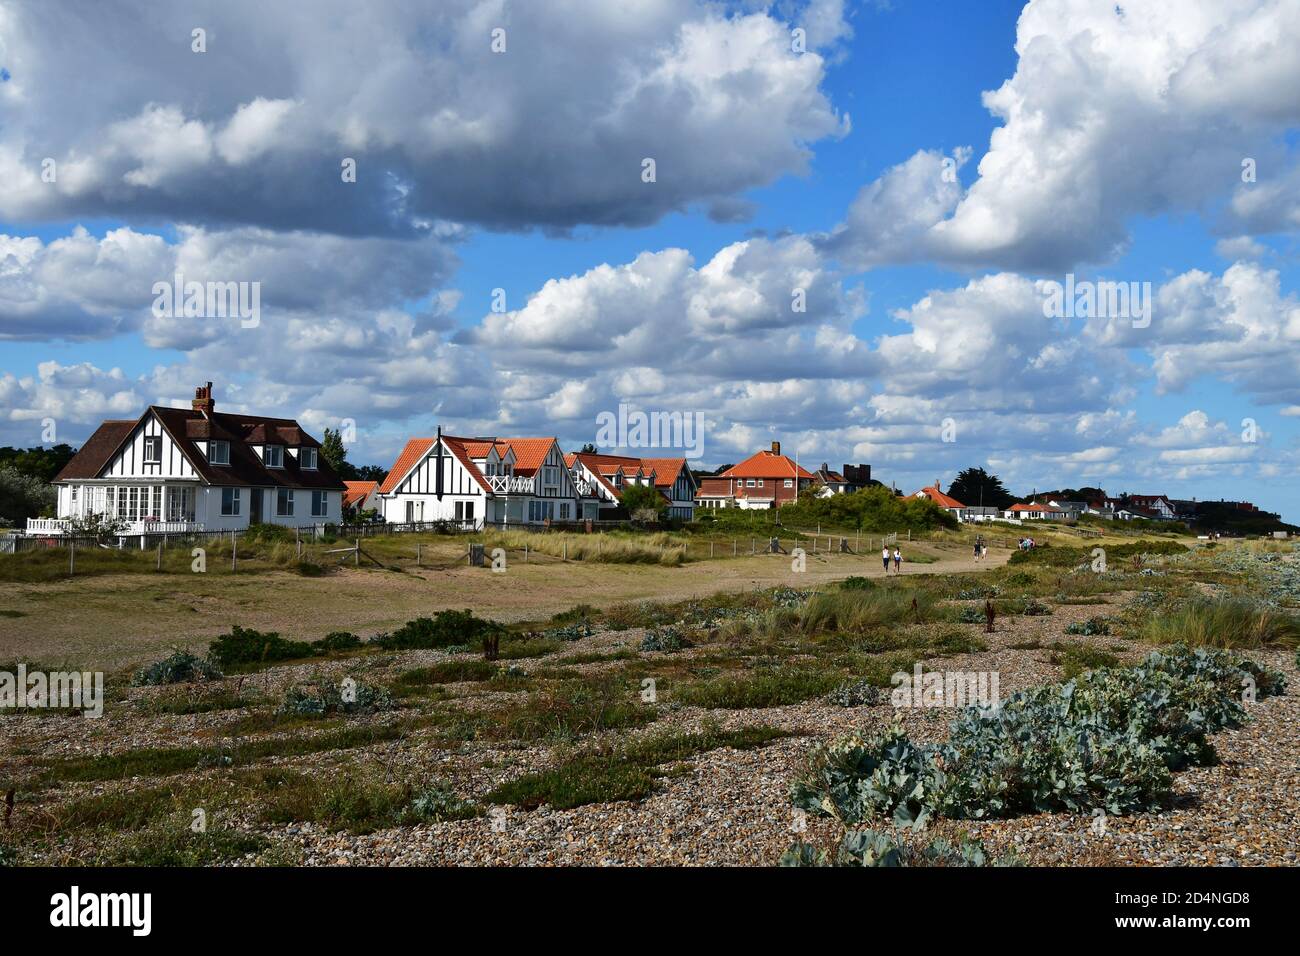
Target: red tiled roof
666, 470
415, 450
1032, 506
765, 464
529, 453
939, 498
358, 491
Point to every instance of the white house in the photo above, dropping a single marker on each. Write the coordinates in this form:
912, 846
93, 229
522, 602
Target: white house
1037, 511
477, 481
196, 469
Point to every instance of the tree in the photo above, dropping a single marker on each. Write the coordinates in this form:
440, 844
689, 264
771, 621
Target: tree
644, 503
332, 450
24, 496
975, 486
39, 462
371, 473
588, 449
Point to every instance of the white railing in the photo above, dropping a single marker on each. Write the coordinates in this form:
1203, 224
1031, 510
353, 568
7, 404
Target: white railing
510, 485
47, 525
37, 526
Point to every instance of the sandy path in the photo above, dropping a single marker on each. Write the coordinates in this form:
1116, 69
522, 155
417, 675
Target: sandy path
113, 621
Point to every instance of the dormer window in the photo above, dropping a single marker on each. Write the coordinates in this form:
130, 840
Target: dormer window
273, 456
153, 450
307, 458
219, 453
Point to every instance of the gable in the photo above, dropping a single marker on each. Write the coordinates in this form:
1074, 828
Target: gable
129, 459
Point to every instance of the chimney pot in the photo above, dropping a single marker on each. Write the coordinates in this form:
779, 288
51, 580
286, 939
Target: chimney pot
203, 399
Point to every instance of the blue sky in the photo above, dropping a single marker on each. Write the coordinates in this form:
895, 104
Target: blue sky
1112, 152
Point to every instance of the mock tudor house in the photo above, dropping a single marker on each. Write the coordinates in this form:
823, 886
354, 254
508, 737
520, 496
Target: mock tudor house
608, 475
477, 481
177, 470
766, 479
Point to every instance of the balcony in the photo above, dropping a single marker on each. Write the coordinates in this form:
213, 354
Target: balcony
510, 485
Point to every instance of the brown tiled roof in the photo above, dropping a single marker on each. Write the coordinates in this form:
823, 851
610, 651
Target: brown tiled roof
97, 450
358, 491
185, 426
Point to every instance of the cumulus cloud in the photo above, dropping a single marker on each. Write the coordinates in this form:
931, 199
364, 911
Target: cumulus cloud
551, 132
1114, 111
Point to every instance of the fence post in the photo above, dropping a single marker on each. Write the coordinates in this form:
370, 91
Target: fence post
566, 550
525, 552
160, 556
710, 548
417, 554
234, 557
356, 555
72, 558
733, 547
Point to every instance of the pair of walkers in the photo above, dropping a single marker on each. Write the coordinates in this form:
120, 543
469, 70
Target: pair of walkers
981, 549
898, 559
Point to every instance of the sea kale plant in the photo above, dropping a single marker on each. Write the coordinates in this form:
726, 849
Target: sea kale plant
328, 698
1109, 739
181, 667
871, 848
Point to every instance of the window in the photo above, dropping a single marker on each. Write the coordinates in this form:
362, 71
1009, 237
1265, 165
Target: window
273, 456
469, 511
73, 490
749, 482
284, 502
307, 458
230, 501
552, 475
789, 482
320, 503
153, 450
564, 511
460, 511
219, 453
540, 510
760, 482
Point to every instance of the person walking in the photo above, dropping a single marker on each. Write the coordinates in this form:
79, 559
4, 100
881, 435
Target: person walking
898, 560
884, 556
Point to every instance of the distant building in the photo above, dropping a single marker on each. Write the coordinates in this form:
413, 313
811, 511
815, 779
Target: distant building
766, 479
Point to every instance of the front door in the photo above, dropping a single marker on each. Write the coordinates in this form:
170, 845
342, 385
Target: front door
255, 505
410, 512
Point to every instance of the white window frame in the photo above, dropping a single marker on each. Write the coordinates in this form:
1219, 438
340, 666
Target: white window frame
234, 502
279, 456
155, 442
281, 495
789, 482
219, 453
749, 482
320, 504
306, 455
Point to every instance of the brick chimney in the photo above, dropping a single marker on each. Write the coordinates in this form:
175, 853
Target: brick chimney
776, 448
203, 399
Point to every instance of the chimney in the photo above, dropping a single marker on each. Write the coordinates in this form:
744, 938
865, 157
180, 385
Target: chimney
776, 448
203, 399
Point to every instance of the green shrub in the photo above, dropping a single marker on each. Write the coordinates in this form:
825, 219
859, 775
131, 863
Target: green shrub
181, 667
857, 583
1094, 626
438, 803
852, 612
444, 629
337, 641
244, 646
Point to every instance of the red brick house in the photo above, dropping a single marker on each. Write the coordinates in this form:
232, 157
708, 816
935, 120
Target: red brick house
766, 479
